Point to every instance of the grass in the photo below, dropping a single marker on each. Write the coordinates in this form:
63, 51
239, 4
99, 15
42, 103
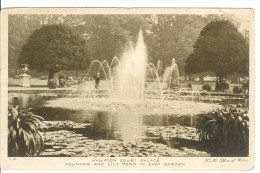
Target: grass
38, 82
33, 81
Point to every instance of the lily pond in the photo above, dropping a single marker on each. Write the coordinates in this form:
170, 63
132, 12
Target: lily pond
108, 128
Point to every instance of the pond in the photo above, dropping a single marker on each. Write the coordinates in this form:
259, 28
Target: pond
100, 132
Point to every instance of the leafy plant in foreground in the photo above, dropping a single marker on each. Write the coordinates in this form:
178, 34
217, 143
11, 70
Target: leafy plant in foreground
225, 131
24, 136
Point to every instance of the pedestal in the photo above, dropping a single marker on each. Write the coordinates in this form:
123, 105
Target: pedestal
25, 80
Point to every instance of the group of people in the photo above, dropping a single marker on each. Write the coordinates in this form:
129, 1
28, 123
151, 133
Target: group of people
57, 83
63, 82
222, 85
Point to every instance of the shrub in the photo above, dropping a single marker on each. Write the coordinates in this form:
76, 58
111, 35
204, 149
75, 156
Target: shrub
24, 136
237, 90
206, 87
245, 85
189, 86
225, 131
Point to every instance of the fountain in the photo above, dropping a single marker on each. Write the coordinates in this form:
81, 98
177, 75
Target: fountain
132, 71
133, 107
127, 77
171, 76
125, 87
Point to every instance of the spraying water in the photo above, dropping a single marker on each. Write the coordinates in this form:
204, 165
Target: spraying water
132, 70
125, 90
171, 75
126, 77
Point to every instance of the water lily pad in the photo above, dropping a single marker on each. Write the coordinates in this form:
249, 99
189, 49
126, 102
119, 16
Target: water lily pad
49, 150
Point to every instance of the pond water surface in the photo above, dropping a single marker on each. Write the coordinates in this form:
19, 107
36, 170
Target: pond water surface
173, 131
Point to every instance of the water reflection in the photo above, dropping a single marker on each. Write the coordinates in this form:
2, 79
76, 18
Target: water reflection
124, 126
28, 100
129, 126
167, 120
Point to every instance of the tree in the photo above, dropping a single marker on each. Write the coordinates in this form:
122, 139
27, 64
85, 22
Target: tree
173, 36
20, 27
221, 49
54, 48
18, 31
108, 35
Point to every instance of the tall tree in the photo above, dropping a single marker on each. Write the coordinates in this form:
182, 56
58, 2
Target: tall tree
54, 48
107, 35
221, 49
18, 32
173, 36
20, 27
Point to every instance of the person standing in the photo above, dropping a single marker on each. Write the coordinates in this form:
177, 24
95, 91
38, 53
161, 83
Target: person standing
97, 80
217, 84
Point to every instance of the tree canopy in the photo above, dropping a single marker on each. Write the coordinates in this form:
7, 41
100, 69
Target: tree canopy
166, 36
173, 36
221, 49
108, 35
54, 48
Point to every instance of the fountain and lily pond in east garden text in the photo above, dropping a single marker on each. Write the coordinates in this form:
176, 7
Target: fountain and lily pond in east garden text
127, 115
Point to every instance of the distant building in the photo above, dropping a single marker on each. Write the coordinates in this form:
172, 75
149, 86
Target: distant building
196, 78
209, 78
181, 78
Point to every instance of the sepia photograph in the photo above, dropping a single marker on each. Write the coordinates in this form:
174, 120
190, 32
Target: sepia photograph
130, 84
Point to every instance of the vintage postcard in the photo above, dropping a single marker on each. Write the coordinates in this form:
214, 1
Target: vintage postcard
127, 89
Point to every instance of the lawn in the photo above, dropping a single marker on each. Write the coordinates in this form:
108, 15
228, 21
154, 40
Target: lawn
33, 82
37, 82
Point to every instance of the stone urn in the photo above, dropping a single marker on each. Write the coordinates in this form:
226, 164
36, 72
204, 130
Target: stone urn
25, 78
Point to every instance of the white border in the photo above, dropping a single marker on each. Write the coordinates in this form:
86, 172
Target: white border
255, 4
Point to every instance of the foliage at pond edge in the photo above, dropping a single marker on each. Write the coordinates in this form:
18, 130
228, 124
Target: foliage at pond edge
225, 131
24, 133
